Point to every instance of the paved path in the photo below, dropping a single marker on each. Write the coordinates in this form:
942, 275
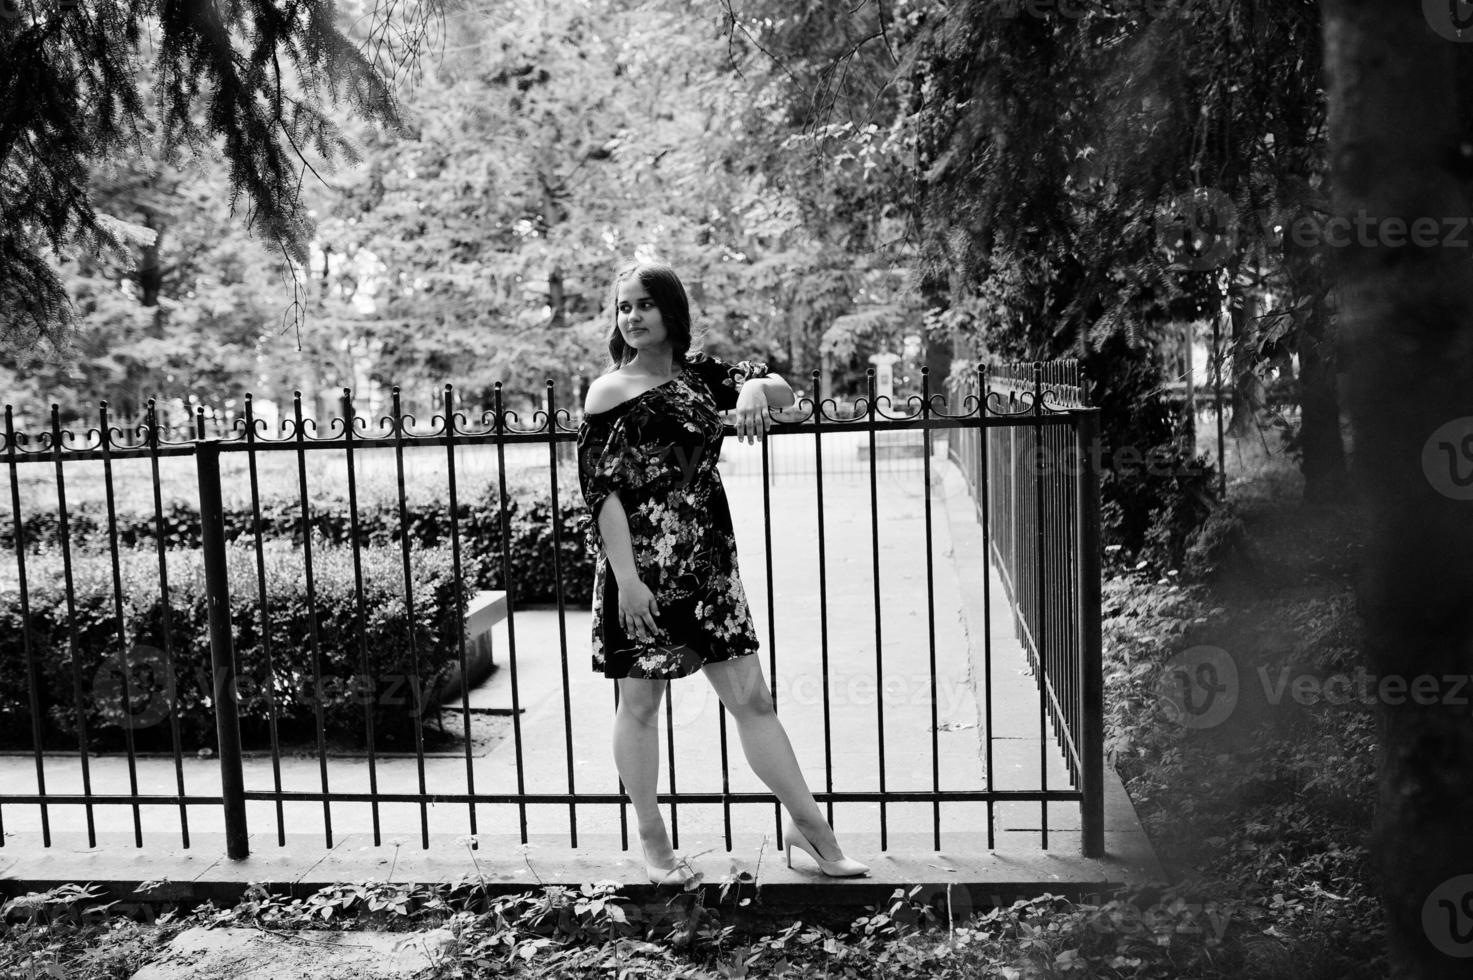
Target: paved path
876, 698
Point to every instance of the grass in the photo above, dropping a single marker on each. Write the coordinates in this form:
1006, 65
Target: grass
1260, 820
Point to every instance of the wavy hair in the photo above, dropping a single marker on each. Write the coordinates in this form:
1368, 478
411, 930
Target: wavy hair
665, 288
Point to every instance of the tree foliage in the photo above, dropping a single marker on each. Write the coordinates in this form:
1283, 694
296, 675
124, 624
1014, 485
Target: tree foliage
543, 147
254, 76
1054, 148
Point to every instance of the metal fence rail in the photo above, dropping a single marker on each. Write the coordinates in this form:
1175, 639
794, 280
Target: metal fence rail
1042, 527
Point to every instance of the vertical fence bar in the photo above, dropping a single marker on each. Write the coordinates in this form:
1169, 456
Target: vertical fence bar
318, 698
74, 646
460, 602
1076, 690
170, 670
369, 685
222, 656
105, 444
417, 686
510, 586
823, 598
767, 479
562, 625
32, 681
1092, 685
984, 494
264, 599
930, 606
1040, 600
874, 527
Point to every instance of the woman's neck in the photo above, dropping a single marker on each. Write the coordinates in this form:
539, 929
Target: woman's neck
657, 363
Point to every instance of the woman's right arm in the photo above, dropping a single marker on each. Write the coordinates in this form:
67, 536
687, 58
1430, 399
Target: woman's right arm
613, 524
636, 601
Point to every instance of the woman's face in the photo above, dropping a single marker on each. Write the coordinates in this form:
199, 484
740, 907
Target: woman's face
638, 317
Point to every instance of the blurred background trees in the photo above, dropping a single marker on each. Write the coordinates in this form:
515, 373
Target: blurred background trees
951, 182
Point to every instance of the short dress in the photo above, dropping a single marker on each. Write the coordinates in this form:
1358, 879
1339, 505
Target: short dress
659, 450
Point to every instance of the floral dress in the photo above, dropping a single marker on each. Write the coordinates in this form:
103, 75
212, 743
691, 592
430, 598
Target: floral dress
659, 451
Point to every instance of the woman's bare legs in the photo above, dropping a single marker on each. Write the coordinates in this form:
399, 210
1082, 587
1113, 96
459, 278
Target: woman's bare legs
637, 757
744, 693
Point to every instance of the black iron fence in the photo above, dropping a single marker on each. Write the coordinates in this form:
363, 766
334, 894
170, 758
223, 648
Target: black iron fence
1036, 492
232, 651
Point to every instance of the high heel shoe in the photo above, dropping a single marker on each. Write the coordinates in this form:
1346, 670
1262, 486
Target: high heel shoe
677, 875
842, 868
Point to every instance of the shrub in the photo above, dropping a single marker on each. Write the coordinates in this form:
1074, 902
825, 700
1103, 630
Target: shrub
427, 523
1220, 545
385, 632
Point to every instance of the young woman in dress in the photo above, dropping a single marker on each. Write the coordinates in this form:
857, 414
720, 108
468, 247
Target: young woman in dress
668, 598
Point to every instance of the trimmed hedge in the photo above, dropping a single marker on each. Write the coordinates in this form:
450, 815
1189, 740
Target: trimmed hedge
529, 516
385, 629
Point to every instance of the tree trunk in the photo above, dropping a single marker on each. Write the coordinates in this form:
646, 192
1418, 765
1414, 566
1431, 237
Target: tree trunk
938, 347
1405, 311
150, 269
1323, 462
557, 299
1247, 389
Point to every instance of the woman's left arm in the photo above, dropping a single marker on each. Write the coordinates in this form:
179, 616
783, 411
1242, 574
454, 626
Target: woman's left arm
756, 397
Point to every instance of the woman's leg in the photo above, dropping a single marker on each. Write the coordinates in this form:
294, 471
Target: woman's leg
637, 757
744, 693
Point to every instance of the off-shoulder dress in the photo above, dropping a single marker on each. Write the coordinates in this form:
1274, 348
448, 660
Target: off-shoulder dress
659, 450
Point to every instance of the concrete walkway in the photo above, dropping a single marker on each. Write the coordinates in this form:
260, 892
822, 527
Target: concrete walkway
878, 710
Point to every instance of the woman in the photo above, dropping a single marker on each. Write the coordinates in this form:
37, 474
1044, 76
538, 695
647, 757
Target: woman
668, 600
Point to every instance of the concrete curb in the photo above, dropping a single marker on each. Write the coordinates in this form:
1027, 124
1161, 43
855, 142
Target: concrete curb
977, 878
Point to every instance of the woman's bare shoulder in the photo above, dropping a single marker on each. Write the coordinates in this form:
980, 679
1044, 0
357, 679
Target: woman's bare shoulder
606, 391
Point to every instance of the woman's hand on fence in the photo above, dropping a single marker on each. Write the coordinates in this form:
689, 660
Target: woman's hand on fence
751, 412
638, 608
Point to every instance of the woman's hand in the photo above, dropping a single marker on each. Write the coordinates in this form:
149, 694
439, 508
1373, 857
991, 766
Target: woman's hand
638, 608
751, 412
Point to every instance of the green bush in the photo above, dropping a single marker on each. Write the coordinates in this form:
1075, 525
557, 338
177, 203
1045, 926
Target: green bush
427, 524
385, 632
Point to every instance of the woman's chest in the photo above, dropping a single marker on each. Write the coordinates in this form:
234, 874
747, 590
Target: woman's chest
682, 414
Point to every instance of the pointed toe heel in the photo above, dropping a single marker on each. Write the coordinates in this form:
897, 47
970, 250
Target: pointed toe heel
842, 868
677, 875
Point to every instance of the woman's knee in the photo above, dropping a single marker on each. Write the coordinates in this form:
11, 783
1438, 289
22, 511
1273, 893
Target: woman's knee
639, 699
741, 687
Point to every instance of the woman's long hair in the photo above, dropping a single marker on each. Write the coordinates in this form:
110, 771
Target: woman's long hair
665, 288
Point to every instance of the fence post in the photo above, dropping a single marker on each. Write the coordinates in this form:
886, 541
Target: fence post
1092, 681
222, 652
